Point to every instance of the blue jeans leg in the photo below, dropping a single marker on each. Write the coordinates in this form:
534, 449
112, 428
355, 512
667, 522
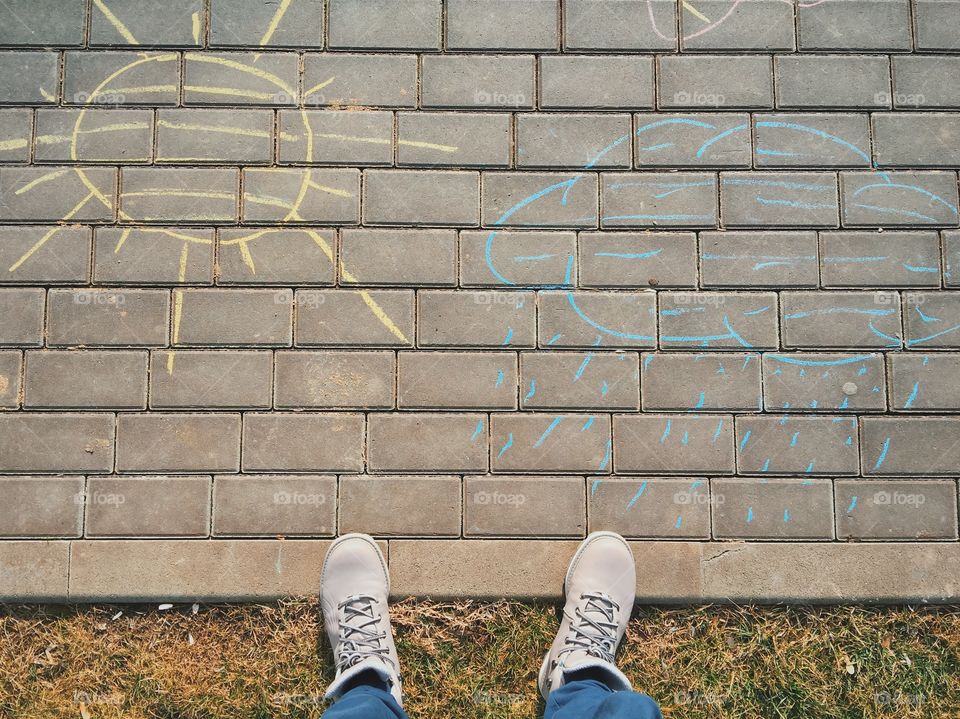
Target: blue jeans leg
365, 702
591, 699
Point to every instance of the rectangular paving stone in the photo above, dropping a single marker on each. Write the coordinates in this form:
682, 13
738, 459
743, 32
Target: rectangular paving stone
910, 198
658, 199
628, 319
259, 317
524, 507
577, 380
34, 571
63, 257
27, 23
708, 381
721, 320
841, 320
772, 509
303, 442
454, 139
178, 442
323, 196
797, 445
507, 199
874, 259
918, 446
334, 137
916, 139
526, 258
210, 379
550, 443
855, 25
673, 444
763, 258
951, 257
896, 509
926, 81
343, 80
222, 136
21, 316
10, 364
345, 318
295, 25
57, 443
824, 382
400, 506
502, 25
41, 507
384, 24
477, 81
174, 24
148, 507
934, 20
924, 382
821, 139
750, 26
552, 140
335, 379
832, 81
107, 318
136, 78
476, 318
728, 81
662, 508
597, 82
179, 194
240, 78
270, 505
93, 135
456, 380
626, 25
700, 139
408, 197
15, 134
56, 194
417, 257
280, 256
931, 319
78, 379
784, 199
427, 442
29, 77
636, 260
152, 255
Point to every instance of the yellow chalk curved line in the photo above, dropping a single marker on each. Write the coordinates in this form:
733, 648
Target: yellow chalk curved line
53, 230
225, 129
13, 144
354, 138
693, 11
115, 21
133, 90
277, 17
180, 193
318, 86
195, 19
240, 67
428, 145
123, 238
232, 91
116, 127
40, 180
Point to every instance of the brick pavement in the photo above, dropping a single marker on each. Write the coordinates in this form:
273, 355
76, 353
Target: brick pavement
479, 277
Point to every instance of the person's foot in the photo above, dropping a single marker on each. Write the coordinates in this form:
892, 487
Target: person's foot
354, 586
600, 588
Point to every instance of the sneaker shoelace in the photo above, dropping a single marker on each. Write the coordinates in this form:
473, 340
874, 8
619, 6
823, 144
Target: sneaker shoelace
359, 636
594, 627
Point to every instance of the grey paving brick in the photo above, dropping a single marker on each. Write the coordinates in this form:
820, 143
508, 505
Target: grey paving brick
21, 316
841, 320
597, 319
747, 26
121, 77
45, 253
93, 135
759, 259
926, 81
41, 507
924, 382
399, 257
176, 23
151, 255
276, 256
812, 140
148, 507
57, 194
925, 446
427, 442
335, 137
295, 25
898, 198
34, 571
345, 318
721, 320
824, 382
457, 380
235, 317
708, 381
634, 260
804, 445
855, 25
728, 81
97, 317
524, 507
15, 134
931, 319
502, 24
447, 318
303, 442
323, 196
400, 506
77, 379
934, 20
658, 199
471, 81
10, 364
57, 443
221, 136
335, 379
346, 80
665, 508
772, 509
875, 259
785, 199
552, 140
178, 442
673, 444
271, 505
179, 194
550, 443
916, 139
520, 258
951, 258
214, 379
577, 380
828, 81
454, 139
626, 25
42, 23
615, 82
897, 509
701, 139
29, 77
561, 200
385, 24
240, 78
408, 197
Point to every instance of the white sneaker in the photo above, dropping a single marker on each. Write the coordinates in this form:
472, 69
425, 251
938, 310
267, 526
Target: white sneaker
354, 586
600, 588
